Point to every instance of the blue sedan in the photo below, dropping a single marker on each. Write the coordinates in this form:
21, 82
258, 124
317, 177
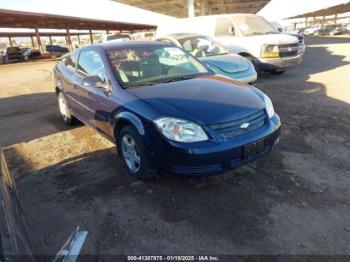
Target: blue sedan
215, 56
164, 109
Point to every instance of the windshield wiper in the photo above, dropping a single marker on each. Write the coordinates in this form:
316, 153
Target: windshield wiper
139, 84
178, 78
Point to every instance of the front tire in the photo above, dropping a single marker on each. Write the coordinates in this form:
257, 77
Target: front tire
133, 153
66, 115
277, 72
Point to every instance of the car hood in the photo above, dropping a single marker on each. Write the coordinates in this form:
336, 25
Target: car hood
274, 39
205, 100
229, 63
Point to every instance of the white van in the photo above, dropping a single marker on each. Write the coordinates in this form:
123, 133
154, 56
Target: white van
246, 34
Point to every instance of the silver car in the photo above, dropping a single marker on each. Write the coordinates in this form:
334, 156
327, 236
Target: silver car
215, 56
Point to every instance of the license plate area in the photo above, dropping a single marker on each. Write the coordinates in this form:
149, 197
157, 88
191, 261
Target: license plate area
253, 149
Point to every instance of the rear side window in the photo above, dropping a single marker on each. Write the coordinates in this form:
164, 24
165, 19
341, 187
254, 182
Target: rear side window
91, 64
224, 27
71, 60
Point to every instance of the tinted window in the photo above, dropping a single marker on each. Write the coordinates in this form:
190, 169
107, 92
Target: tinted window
90, 64
71, 60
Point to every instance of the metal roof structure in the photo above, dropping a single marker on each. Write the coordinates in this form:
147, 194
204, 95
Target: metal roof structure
184, 8
20, 19
334, 10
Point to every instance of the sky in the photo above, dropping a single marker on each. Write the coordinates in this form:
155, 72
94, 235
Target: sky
277, 10
108, 10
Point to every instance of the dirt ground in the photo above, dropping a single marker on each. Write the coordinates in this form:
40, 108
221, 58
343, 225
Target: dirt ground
296, 200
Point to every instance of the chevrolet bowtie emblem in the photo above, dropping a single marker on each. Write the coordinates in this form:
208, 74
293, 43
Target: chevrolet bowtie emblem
245, 125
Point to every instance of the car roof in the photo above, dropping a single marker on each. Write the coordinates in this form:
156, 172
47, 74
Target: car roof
185, 35
127, 44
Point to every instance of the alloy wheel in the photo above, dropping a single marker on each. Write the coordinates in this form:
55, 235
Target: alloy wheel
131, 153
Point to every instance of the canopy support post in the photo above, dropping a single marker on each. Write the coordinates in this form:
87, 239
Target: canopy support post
190, 6
38, 40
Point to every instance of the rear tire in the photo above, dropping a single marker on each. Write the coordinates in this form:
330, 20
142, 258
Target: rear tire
133, 153
66, 115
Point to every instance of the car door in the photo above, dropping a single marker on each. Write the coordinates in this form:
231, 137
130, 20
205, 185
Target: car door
96, 99
87, 66
68, 78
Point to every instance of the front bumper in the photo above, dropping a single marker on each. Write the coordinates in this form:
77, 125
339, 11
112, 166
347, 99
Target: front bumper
267, 64
213, 156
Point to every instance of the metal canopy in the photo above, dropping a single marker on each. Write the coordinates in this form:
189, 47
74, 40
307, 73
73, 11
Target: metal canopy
180, 8
338, 9
19, 19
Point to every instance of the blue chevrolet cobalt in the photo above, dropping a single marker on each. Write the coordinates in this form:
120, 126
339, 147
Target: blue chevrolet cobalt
165, 110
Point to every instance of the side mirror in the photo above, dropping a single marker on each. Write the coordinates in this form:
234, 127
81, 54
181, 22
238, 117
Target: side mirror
91, 81
231, 30
94, 81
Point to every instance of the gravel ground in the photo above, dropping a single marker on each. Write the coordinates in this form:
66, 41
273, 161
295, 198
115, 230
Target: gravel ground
296, 200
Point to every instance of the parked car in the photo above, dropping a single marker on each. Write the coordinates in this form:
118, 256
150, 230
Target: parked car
297, 34
339, 30
30, 54
15, 242
149, 35
325, 30
13, 54
164, 109
301, 41
215, 56
114, 38
56, 49
248, 35
311, 30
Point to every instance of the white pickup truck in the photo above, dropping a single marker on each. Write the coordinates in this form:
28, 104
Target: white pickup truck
246, 34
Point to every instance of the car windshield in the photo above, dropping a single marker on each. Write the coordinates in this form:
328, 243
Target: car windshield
254, 25
138, 66
202, 46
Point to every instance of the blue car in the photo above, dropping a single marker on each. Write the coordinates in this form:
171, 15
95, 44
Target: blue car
215, 56
164, 109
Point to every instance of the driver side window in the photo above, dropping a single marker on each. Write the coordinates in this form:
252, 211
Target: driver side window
224, 27
91, 64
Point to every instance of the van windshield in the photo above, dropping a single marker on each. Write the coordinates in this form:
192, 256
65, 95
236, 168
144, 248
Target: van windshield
254, 25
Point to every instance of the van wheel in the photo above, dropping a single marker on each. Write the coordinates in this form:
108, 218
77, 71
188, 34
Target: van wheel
66, 115
133, 153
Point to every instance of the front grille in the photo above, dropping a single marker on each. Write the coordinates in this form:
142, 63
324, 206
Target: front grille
233, 128
288, 50
197, 170
240, 160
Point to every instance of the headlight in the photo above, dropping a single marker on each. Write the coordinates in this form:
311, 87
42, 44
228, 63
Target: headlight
269, 106
268, 51
180, 130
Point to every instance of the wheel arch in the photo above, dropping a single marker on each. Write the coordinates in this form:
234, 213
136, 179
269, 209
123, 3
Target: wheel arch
246, 55
125, 118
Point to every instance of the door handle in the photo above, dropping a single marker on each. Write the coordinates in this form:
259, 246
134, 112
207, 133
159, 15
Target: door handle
75, 86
